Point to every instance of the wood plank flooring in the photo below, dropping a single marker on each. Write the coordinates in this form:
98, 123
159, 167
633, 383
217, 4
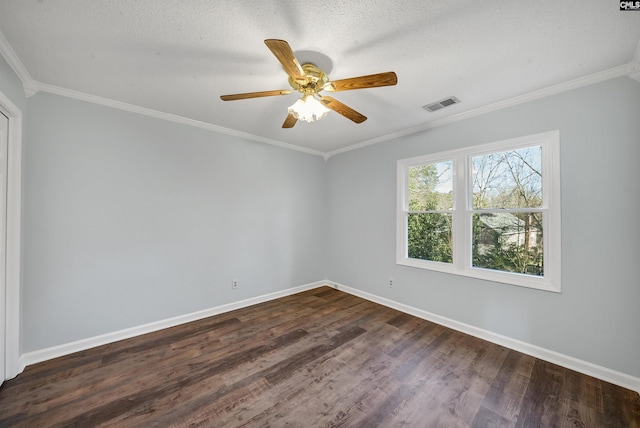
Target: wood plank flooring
322, 358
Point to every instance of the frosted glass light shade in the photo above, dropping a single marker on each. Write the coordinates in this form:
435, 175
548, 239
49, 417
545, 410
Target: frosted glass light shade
308, 109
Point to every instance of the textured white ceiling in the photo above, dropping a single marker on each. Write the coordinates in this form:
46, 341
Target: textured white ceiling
179, 56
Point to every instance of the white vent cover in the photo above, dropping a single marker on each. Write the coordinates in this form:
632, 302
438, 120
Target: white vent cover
441, 104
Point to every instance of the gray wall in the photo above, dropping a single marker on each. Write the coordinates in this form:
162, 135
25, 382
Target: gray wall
596, 317
130, 219
11, 86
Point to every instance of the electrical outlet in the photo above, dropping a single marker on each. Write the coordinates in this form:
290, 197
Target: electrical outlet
234, 283
390, 282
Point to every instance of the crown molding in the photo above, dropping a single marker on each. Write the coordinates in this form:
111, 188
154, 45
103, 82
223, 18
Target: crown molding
30, 88
81, 96
541, 93
531, 96
29, 85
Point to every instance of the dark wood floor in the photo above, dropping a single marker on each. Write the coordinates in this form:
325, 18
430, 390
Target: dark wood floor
315, 359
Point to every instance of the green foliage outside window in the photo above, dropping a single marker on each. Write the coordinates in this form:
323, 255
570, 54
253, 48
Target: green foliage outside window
506, 236
507, 226
429, 232
509, 242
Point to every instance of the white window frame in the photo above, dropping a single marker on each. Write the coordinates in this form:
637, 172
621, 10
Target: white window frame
462, 212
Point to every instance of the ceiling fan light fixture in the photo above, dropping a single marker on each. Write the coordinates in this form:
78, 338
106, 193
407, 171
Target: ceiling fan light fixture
308, 108
309, 80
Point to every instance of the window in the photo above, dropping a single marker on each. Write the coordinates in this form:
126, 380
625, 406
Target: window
489, 212
429, 219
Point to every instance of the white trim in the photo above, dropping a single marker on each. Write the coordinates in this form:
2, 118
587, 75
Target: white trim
81, 345
520, 99
31, 87
462, 260
552, 90
69, 93
12, 270
585, 367
17, 66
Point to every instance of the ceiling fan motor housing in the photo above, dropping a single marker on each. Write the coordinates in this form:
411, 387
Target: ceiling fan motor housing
315, 81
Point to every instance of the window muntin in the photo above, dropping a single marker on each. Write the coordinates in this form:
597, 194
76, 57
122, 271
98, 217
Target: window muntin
489, 211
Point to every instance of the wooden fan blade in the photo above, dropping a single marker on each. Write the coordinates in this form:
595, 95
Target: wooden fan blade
371, 81
290, 121
343, 109
283, 52
254, 95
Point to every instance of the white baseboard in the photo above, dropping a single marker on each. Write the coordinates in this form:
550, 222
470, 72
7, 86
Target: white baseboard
585, 367
81, 345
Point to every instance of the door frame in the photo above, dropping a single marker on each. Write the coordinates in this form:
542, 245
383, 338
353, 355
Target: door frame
13, 365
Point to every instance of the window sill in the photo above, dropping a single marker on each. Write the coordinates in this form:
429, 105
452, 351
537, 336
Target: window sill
521, 280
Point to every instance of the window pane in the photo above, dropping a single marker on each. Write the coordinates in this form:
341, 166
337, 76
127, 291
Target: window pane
429, 237
510, 242
511, 179
431, 187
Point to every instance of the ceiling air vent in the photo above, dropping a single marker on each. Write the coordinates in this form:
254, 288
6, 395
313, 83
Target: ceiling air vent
441, 104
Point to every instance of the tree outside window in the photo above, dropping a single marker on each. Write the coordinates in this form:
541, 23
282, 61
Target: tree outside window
490, 211
507, 224
429, 221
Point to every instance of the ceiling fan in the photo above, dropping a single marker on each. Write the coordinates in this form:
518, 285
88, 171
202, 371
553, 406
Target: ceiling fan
309, 80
